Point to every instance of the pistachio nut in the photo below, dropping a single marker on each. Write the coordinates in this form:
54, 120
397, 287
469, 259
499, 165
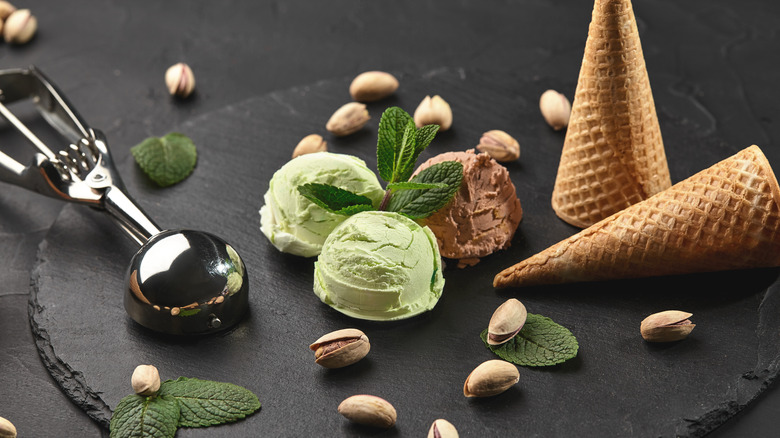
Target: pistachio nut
491, 378
145, 380
668, 326
348, 119
7, 429
506, 322
340, 348
310, 144
499, 145
433, 111
442, 428
372, 85
6, 9
20, 27
180, 80
368, 410
555, 108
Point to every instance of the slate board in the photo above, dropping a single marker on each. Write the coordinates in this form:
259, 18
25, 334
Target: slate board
617, 385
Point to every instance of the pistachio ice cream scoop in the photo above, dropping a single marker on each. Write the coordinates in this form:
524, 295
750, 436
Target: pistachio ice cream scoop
296, 225
379, 265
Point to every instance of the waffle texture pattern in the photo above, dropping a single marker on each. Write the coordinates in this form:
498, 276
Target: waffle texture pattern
613, 155
724, 217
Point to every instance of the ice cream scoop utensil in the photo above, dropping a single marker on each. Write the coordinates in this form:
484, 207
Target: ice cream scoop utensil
180, 281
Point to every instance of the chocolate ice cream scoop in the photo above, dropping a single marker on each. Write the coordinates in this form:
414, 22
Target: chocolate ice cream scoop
484, 214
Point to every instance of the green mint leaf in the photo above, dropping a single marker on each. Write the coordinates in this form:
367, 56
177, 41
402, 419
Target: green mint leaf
406, 158
189, 312
408, 185
424, 137
167, 160
419, 204
207, 403
392, 126
148, 417
540, 343
334, 199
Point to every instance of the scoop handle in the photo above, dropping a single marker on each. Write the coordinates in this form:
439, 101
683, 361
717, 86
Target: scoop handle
129, 216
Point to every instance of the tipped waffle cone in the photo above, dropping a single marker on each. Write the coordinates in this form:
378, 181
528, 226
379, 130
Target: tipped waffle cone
724, 217
613, 155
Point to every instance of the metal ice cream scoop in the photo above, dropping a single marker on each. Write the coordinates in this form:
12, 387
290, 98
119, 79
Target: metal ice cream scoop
181, 281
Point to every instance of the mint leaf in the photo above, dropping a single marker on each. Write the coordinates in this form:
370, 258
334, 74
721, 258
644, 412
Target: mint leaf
392, 126
424, 137
334, 199
139, 416
189, 312
419, 204
206, 403
408, 185
541, 342
167, 160
406, 158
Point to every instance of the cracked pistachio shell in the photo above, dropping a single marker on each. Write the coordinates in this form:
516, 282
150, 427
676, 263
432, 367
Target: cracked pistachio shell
499, 145
507, 321
340, 348
433, 111
442, 428
348, 119
20, 27
491, 378
368, 410
372, 86
555, 108
310, 144
180, 80
145, 380
668, 326
7, 429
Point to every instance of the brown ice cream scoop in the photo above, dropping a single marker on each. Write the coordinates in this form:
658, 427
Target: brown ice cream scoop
484, 214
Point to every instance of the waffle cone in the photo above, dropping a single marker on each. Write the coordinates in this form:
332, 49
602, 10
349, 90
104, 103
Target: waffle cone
613, 155
724, 217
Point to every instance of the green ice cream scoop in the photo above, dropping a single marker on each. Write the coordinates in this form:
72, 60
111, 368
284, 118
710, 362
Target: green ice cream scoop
379, 265
296, 225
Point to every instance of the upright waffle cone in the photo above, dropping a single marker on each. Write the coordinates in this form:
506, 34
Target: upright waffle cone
613, 155
725, 217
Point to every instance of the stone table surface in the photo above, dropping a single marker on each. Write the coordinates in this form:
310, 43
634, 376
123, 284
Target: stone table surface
715, 58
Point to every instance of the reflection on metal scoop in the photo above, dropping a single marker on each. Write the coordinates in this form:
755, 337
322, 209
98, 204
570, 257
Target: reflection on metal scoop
181, 281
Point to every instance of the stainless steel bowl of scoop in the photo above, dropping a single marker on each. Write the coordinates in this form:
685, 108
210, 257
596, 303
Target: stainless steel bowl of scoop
180, 282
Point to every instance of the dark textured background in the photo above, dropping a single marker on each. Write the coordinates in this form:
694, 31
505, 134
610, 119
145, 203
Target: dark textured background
715, 60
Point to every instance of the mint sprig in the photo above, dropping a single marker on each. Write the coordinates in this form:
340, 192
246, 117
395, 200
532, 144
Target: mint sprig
206, 403
541, 342
392, 126
181, 403
408, 185
335, 199
419, 204
166, 160
399, 144
139, 416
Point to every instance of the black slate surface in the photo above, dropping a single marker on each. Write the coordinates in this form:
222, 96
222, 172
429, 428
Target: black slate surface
618, 385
